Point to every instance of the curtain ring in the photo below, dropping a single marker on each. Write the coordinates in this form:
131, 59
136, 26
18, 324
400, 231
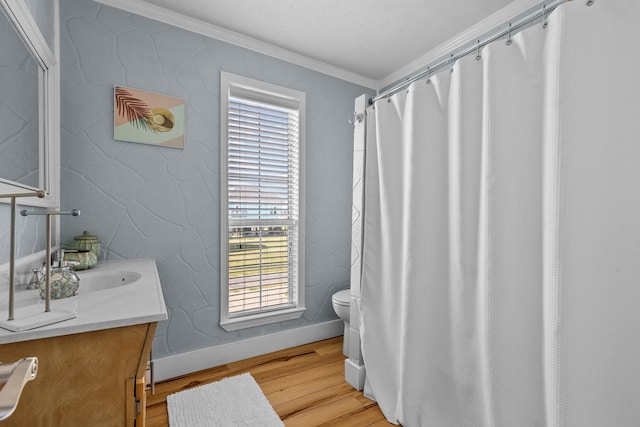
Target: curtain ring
545, 24
590, 2
509, 41
478, 56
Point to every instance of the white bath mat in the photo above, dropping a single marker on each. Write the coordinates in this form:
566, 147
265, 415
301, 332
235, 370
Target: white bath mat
233, 401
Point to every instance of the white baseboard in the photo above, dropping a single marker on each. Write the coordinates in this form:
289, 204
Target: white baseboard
354, 374
185, 363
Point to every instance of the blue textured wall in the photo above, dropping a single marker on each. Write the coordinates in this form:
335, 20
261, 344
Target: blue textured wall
146, 201
43, 14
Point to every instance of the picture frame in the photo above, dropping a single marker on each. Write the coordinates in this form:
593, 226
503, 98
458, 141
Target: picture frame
148, 118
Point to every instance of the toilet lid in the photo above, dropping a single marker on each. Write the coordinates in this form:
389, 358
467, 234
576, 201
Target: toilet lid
342, 297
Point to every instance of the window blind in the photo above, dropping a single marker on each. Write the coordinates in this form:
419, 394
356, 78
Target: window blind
263, 200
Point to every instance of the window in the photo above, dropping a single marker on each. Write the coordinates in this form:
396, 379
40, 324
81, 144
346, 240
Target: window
262, 203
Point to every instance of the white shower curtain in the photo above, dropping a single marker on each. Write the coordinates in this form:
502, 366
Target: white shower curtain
501, 260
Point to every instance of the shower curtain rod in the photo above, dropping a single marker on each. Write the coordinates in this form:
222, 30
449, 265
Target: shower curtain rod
541, 11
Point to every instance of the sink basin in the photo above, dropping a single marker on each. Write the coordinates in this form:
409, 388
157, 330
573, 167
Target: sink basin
113, 294
98, 281
29, 305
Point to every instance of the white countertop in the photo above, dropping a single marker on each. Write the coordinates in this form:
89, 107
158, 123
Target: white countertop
135, 303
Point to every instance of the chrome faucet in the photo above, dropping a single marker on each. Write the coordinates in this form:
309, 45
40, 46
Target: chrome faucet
35, 279
73, 212
12, 250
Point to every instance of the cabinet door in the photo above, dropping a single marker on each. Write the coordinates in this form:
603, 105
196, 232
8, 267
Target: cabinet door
82, 378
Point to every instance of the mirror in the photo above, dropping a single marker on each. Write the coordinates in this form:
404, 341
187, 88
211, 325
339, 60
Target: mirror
29, 129
20, 139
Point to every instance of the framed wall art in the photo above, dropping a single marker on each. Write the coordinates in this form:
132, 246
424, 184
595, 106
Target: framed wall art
148, 118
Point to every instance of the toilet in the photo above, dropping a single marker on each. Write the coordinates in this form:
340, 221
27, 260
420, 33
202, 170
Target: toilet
342, 306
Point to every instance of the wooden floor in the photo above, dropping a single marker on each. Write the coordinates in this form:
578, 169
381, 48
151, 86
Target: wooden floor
305, 386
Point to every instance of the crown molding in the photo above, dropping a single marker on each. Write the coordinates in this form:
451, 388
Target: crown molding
499, 19
198, 26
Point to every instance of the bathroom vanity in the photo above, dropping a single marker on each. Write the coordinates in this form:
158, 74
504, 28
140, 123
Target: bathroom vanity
92, 367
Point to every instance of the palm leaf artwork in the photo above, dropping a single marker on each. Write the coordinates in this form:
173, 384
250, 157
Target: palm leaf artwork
140, 115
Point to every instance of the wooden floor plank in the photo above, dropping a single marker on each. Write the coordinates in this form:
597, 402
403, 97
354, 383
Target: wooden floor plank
299, 390
381, 423
284, 363
296, 365
304, 384
186, 382
330, 348
323, 413
310, 400
367, 417
272, 384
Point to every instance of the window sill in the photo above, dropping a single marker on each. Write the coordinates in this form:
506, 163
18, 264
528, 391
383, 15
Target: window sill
261, 319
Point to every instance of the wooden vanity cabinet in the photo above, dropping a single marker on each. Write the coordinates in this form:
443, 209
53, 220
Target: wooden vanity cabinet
86, 379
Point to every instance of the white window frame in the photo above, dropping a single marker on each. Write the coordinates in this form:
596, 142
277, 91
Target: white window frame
233, 85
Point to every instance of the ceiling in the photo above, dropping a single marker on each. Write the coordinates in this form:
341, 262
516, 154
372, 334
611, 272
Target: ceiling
369, 38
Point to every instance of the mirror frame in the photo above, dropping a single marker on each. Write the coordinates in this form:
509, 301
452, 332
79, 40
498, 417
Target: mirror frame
49, 104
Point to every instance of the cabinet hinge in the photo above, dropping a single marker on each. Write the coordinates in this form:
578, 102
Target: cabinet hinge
138, 403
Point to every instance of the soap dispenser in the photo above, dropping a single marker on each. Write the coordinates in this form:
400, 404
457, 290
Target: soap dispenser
64, 281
